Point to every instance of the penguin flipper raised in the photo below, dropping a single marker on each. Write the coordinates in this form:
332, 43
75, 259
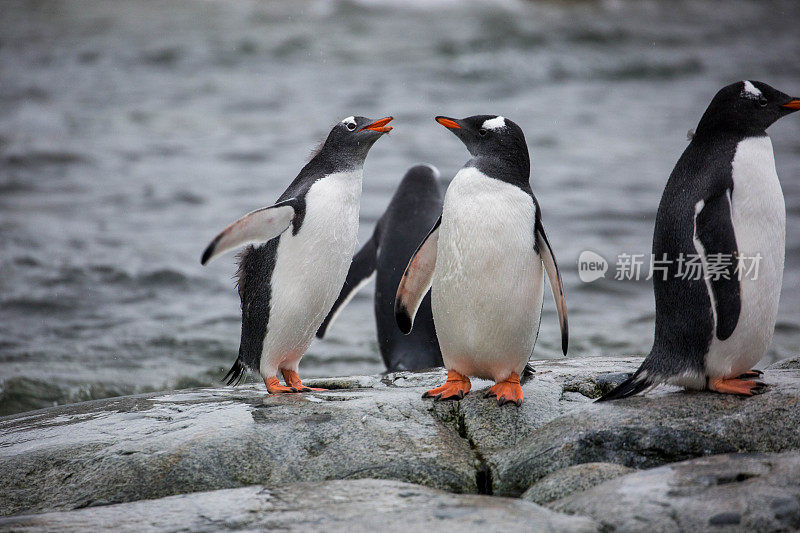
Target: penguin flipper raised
416, 280
556, 285
361, 270
255, 227
715, 241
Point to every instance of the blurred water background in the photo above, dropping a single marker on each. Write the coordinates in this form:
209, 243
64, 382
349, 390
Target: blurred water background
131, 132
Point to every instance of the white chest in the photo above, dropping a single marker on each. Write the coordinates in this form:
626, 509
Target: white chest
310, 267
487, 286
483, 219
757, 201
758, 214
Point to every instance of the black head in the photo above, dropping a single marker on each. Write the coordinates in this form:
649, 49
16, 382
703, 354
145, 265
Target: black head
419, 182
746, 108
492, 137
350, 140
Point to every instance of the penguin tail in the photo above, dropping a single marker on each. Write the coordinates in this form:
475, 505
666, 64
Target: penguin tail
236, 374
527, 373
635, 384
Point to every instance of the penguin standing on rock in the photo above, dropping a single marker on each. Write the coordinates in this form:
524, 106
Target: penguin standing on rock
300, 249
722, 203
484, 261
415, 206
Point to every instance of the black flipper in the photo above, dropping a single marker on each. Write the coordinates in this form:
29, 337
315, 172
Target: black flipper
361, 269
557, 287
714, 230
635, 384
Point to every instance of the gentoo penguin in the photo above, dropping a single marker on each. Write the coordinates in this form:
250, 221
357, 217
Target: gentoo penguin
722, 204
483, 261
298, 256
415, 206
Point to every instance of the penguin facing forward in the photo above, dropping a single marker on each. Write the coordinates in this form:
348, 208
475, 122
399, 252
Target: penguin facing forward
300, 249
484, 261
415, 206
723, 202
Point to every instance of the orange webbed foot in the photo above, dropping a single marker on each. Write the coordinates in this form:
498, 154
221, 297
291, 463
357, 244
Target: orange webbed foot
274, 386
292, 379
742, 387
455, 388
508, 391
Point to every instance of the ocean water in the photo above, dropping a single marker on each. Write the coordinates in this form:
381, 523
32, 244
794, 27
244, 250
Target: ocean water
131, 132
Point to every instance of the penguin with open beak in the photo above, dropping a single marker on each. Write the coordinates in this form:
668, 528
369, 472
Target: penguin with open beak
299, 252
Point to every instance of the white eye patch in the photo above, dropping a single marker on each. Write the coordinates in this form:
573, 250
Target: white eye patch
750, 91
494, 123
349, 120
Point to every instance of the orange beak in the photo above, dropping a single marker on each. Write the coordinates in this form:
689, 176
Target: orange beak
448, 123
379, 125
794, 104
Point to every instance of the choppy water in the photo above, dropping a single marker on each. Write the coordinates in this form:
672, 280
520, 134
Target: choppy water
130, 132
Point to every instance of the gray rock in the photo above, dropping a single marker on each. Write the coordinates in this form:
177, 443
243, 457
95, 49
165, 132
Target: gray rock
558, 387
155, 445
737, 492
161, 444
793, 363
572, 479
355, 505
664, 426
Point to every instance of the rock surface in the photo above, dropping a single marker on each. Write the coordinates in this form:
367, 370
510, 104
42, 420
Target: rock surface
355, 505
577, 478
162, 444
741, 492
664, 426
155, 445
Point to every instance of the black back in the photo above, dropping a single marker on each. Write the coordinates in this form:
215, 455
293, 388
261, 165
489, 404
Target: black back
412, 211
415, 207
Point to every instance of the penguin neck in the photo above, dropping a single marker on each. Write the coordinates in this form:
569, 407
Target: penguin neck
509, 169
328, 161
713, 126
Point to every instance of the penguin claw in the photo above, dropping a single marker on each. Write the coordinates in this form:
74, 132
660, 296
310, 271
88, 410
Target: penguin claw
455, 388
508, 391
750, 374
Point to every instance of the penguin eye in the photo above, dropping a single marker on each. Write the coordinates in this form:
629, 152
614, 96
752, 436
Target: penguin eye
762, 102
482, 132
351, 126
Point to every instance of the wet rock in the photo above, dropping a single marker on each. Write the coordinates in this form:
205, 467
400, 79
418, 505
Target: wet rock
161, 444
558, 387
663, 426
155, 445
741, 492
577, 478
355, 505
